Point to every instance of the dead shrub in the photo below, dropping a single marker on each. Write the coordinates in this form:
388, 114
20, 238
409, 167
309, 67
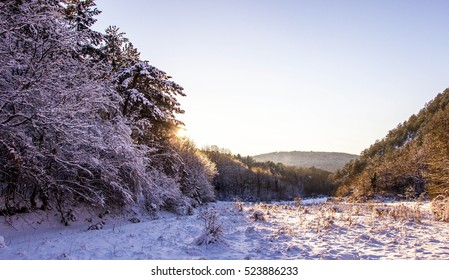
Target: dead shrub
213, 231
258, 216
440, 208
239, 205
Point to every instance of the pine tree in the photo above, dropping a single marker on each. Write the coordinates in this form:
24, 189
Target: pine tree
150, 96
81, 13
117, 49
80, 16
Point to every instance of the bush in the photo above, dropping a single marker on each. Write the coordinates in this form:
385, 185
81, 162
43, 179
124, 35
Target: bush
213, 231
440, 208
258, 216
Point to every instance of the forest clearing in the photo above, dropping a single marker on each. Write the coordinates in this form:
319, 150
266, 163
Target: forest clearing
310, 230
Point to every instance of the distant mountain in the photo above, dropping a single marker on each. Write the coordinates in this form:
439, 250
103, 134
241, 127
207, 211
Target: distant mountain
323, 160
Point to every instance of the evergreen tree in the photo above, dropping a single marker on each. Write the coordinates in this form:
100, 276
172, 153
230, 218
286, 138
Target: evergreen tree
149, 96
80, 16
119, 52
81, 13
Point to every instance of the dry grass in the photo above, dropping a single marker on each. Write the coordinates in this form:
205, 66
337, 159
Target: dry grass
406, 214
285, 231
366, 227
298, 201
377, 218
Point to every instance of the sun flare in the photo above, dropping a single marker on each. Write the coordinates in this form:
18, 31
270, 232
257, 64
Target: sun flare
182, 132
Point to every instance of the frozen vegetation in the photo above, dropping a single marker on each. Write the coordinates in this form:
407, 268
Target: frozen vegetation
230, 230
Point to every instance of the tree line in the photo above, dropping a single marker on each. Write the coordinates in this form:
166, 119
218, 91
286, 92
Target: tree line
247, 179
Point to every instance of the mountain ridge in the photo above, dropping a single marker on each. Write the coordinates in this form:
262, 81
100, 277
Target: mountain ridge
329, 161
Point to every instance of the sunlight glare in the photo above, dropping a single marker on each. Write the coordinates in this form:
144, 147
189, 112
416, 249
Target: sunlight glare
182, 132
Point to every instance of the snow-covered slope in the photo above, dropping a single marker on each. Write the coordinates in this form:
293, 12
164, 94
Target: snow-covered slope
250, 231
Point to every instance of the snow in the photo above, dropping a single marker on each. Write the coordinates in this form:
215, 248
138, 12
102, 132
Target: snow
308, 231
2, 242
311, 201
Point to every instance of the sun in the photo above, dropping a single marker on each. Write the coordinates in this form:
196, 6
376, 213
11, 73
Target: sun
182, 132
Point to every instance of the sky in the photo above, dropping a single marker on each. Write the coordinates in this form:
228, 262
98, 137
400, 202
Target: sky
265, 76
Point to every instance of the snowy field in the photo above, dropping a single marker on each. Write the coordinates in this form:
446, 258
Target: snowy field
313, 229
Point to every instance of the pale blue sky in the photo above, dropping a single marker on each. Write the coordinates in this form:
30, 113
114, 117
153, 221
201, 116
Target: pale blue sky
264, 76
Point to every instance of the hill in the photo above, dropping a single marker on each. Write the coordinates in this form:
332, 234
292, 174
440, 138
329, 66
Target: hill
328, 161
410, 161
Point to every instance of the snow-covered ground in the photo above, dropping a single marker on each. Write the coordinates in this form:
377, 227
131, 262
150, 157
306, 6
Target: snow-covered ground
318, 230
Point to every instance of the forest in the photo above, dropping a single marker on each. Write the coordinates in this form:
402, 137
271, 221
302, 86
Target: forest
411, 161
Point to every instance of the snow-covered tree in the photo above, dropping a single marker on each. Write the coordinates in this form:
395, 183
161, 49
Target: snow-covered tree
80, 16
117, 49
81, 13
62, 137
196, 172
149, 95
